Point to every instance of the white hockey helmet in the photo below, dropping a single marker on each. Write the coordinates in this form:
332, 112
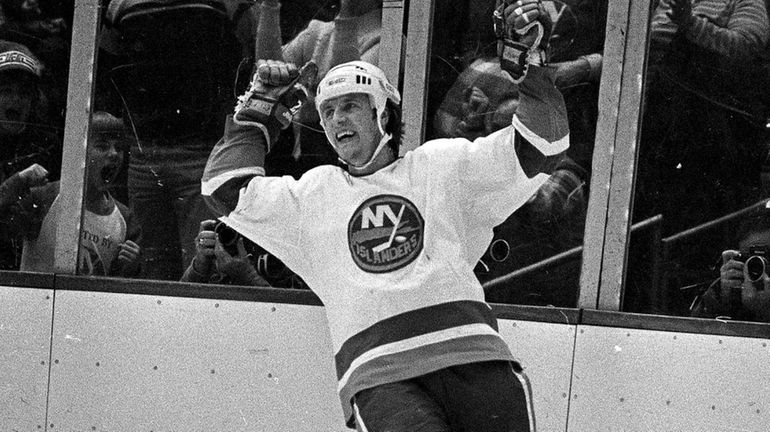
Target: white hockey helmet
358, 77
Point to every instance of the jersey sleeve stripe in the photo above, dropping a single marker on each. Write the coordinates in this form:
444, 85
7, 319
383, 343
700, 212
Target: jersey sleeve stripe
210, 185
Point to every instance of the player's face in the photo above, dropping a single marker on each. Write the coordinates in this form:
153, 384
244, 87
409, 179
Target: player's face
16, 100
351, 126
105, 157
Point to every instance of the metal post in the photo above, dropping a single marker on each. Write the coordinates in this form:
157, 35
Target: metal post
79, 99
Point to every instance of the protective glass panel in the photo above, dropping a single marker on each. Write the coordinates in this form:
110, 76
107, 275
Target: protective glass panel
170, 74
535, 255
703, 150
34, 66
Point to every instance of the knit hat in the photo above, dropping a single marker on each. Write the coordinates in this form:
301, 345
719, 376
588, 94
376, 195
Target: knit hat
14, 56
119, 10
104, 122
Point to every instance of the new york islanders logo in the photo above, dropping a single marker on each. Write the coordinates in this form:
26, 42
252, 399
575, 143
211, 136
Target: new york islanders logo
385, 234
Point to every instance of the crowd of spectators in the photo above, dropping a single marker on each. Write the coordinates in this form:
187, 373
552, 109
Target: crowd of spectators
34, 54
169, 71
470, 97
704, 138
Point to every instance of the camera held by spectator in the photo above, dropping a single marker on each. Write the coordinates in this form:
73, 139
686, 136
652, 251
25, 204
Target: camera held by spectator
228, 237
268, 266
221, 257
742, 291
755, 263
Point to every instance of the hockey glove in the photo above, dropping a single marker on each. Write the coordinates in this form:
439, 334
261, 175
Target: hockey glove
522, 29
275, 94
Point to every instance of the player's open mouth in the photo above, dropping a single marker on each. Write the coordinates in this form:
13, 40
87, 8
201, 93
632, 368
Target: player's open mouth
109, 173
345, 135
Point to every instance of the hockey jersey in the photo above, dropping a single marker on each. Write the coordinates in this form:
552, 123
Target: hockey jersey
391, 254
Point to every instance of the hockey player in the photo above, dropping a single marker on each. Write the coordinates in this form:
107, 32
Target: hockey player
389, 243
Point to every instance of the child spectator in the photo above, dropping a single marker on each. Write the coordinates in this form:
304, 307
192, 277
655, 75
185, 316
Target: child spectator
109, 233
169, 67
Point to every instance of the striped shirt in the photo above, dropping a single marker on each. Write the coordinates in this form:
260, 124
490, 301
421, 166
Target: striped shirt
735, 29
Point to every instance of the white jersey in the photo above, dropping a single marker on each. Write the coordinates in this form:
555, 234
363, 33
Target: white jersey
391, 254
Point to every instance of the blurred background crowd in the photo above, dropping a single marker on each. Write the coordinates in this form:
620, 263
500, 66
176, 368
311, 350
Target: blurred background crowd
169, 72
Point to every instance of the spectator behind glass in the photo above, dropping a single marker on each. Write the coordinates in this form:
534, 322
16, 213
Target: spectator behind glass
109, 232
742, 291
483, 98
170, 66
703, 137
23, 139
294, 16
43, 27
466, 34
216, 263
353, 35
482, 101
702, 140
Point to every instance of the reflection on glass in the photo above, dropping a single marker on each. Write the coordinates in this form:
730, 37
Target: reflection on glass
34, 57
172, 72
169, 71
703, 148
534, 257
353, 33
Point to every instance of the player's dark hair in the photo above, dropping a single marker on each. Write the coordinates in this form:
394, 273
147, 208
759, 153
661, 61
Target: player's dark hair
395, 126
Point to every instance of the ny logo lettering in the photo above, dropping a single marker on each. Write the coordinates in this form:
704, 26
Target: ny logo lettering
377, 217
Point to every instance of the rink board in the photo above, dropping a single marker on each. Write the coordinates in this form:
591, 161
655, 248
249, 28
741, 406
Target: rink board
25, 346
143, 361
642, 380
139, 362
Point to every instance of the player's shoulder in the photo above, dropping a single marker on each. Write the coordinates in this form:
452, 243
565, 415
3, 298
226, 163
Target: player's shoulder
322, 172
436, 155
439, 146
320, 177
441, 149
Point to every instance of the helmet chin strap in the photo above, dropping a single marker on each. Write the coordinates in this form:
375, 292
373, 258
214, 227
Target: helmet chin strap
384, 140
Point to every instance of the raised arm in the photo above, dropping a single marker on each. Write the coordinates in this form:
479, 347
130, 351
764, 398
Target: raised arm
523, 28
343, 45
18, 185
739, 35
742, 38
268, 41
275, 94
